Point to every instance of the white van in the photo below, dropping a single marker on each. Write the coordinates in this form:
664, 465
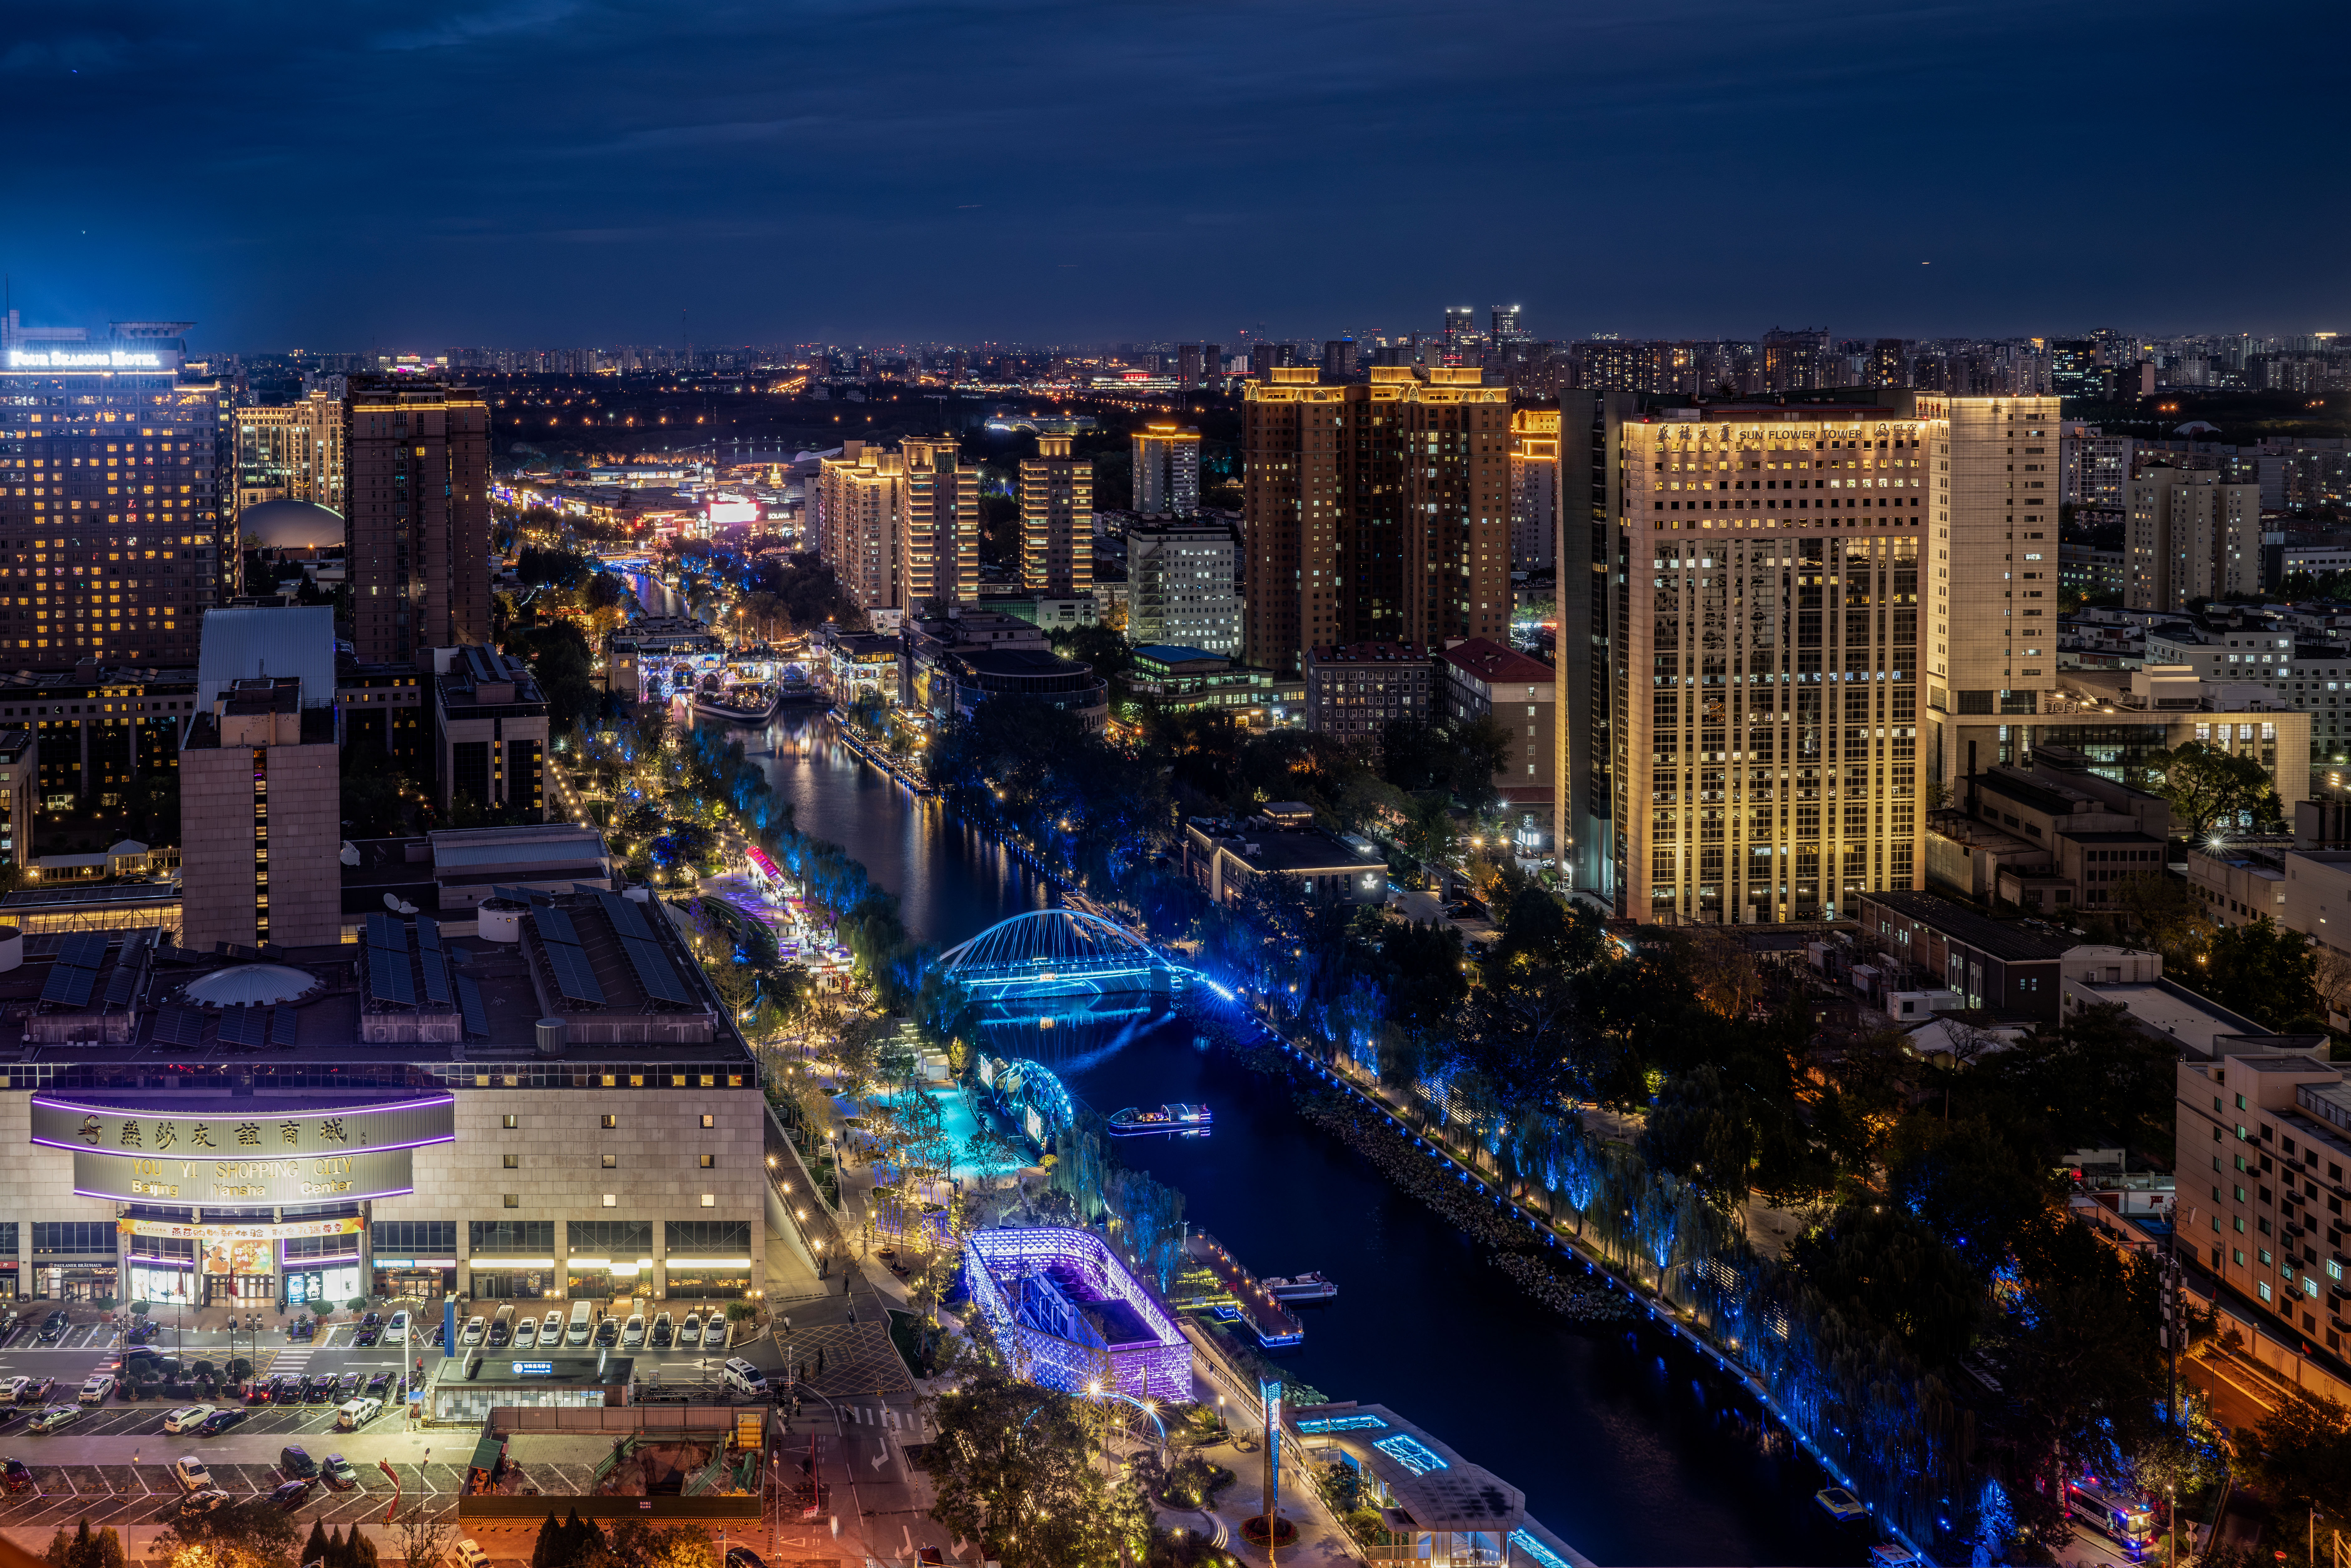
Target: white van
397, 1330
742, 1378
465, 1554
357, 1413
583, 1323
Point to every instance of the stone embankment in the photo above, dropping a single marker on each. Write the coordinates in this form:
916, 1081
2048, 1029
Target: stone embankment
1460, 1203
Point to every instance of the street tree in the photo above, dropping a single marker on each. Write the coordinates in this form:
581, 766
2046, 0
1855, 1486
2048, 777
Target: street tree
2210, 785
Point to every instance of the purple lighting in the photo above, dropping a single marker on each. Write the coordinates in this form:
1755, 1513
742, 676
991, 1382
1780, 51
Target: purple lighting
1059, 1300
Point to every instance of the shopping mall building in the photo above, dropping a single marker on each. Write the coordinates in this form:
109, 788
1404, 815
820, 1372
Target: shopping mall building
544, 1100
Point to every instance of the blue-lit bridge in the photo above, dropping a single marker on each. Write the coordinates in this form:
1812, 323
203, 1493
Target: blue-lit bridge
1056, 952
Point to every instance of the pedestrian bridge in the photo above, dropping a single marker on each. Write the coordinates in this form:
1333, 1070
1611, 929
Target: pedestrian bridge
1057, 952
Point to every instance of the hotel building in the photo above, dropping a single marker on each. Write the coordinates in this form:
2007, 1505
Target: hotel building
291, 452
1376, 511
115, 480
1167, 469
855, 498
938, 524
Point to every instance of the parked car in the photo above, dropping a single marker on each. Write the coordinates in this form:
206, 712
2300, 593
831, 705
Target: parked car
220, 1421
36, 1390
608, 1333
294, 1463
377, 1386
8, 1413
302, 1328
468, 1555
95, 1390
57, 1417
202, 1501
689, 1332
743, 1557
366, 1338
190, 1473
526, 1336
357, 1413
53, 1328
15, 1476
501, 1334
185, 1418
371, 1321
665, 1331
347, 1387
397, 1330
337, 1472
476, 1327
633, 1333
291, 1495
319, 1388
551, 1331
143, 1331
12, 1389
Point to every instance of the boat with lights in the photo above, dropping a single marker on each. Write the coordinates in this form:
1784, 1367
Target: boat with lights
1178, 1120
742, 704
1306, 1287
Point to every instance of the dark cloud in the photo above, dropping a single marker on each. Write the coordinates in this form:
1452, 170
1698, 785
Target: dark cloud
545, 171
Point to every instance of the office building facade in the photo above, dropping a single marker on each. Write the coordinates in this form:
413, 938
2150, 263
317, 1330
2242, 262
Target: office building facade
1166, 468
1183, 582
1354, 691
417, 527
291, 452
115, 531
1057, 521
1374, 511
1743, 674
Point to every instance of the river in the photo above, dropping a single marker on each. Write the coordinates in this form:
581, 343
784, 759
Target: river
1620, 1440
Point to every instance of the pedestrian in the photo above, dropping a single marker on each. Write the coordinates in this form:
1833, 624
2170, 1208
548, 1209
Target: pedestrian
820, 1358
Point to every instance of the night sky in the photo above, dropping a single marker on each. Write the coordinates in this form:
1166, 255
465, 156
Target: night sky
333, 175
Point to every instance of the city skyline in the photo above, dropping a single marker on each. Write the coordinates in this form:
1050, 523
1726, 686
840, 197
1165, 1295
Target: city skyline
585, 174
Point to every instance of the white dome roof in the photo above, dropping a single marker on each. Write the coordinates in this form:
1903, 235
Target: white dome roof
252, 985
291, 525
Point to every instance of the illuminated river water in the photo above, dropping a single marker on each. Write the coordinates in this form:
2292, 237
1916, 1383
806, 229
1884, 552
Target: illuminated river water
1624, 1445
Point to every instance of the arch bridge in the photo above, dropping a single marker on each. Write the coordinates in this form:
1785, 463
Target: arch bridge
1057, 952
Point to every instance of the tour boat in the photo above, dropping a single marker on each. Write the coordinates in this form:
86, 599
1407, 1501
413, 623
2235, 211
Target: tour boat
797, 690
745, 704
1841, 1505
1184, 1121
1308, 1287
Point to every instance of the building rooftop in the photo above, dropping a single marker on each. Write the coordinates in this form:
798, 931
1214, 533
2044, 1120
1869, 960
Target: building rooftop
1431, 1482
1495, 665
243, 644
2003, 939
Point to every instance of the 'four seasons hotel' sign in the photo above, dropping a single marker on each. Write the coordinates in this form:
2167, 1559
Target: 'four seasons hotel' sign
210, 1150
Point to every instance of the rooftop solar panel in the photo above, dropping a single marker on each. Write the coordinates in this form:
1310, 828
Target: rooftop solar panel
625, 916
573, 978
428, 934
469, 998
388, 977
84, 950
385, 931
655, 973
122, 986
282, 1025
68, 988
554, 925
246, 1027
437, 977
180, 1025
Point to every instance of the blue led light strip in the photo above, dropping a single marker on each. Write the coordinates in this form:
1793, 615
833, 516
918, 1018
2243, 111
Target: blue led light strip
1411, 1453
1343, 1424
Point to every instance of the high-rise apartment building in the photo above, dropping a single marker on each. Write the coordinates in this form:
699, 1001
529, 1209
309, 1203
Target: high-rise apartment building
1797, 361
1505, 328
1182, 582
856, 501
1889, 364
1187, 365
1534, 487
1460, 341
114, 518
1339, 358
2189, 534
939, 524
1057, 521
291, 452
1375, 512
1742, 673
1166, 469
417, 528
2092, 466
